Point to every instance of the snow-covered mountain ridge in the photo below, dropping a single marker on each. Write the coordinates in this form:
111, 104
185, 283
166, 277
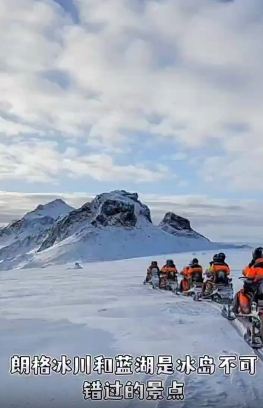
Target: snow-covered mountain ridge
24, 235
114, 225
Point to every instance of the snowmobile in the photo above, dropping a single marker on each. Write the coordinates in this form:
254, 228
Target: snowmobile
77, 265
196, 290
253, 321
227, 309
173, 285
254, 334
152, 277
148, 277
219, 291
155, 278
163, 283
168, 282
196, 284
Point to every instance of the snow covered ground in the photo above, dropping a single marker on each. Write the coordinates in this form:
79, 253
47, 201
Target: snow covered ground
103, 309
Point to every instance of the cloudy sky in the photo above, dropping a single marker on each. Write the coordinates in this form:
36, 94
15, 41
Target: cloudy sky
163, 97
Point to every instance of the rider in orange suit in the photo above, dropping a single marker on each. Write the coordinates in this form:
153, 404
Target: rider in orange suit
189, 273
254, 273
170, 269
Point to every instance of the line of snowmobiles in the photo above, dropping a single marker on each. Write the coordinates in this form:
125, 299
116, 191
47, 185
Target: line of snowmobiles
224, 295
161, 280
221, 293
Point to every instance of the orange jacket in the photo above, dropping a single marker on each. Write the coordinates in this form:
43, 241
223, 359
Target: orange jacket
255, 271
218, 268
169, 269
244, 302
188, 271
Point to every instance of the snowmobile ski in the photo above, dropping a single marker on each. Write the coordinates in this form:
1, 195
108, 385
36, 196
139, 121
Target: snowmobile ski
253, 341
227, 312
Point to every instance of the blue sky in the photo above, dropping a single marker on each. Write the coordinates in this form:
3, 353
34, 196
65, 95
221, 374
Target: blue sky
162, 97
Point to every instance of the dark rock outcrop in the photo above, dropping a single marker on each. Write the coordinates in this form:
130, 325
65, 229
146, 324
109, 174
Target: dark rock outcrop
176, 225
115, 213
176, 222
120, 201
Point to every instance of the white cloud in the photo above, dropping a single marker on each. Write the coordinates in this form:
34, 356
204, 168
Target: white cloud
43, 162
197, 64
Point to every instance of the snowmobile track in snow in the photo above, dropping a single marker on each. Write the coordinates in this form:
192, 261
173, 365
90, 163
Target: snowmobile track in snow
240, 329
237, 325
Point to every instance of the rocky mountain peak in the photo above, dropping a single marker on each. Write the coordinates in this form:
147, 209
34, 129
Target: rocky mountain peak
54, 209
180, 226
176, 222
112, 226
119, 208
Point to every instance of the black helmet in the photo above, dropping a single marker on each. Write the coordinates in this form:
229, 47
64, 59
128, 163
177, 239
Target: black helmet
169, 262
154, 263
221, 256
258, 253
195, 261
215, 257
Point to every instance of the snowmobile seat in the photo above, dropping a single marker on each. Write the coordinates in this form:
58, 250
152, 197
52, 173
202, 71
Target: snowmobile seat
221, 278
197, 277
